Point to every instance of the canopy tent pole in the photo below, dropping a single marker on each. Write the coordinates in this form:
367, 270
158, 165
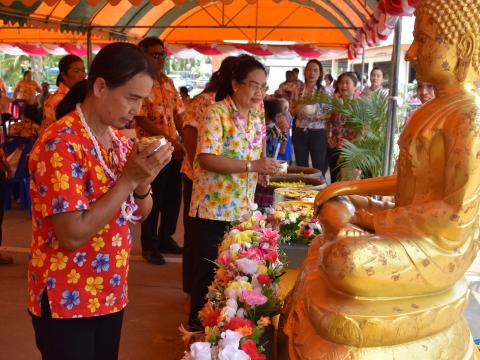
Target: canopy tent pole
89, 47
363, 68
392, 103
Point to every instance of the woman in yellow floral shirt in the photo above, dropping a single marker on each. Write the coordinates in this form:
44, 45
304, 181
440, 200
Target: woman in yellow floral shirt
193, 115
72, 71
226, 167
26, 88
87, 184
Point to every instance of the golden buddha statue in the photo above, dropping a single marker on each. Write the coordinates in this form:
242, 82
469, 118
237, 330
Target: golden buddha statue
386, 281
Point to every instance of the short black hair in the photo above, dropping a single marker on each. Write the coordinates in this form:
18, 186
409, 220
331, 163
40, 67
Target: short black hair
150, 41
329, 77
272, 109
296, 70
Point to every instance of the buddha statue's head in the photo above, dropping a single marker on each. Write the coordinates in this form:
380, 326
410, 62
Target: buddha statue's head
445, 50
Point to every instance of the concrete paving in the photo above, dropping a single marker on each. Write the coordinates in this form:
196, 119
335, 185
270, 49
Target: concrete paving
156, 308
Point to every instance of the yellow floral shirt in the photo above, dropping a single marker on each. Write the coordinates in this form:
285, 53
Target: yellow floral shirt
195, 113
26, 128
225, 132
26, 90
51, 104
161, 107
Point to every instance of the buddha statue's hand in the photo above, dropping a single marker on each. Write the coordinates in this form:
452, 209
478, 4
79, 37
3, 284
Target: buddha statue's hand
363, 219
324, 195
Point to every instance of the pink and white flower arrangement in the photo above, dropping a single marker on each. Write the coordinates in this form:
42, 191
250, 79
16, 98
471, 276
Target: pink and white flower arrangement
243, 297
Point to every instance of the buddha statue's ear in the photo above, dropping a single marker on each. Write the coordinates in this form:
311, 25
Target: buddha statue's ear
465, 49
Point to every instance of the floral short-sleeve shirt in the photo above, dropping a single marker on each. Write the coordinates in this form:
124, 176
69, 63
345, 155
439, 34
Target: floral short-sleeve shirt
195, 112
161, 107
26, 90
50, 106
225, 132
66, 176
26, 128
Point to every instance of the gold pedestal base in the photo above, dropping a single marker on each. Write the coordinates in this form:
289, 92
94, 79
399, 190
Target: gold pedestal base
322, 323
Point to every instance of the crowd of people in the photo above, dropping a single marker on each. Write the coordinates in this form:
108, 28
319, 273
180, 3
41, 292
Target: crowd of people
89, 181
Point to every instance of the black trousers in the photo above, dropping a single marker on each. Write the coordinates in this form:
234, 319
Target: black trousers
94, 338
311, 142
207, 235
167, 197
333, 158
187, 263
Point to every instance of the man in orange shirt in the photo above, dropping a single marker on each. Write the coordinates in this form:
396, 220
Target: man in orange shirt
159, 116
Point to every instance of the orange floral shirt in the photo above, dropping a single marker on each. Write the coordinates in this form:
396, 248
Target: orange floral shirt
194, 113
66, 176
26, 128
161, 107
51, 104
26, 90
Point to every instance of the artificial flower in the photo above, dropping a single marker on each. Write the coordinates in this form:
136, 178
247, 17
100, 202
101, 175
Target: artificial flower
253, 298
271, 257
264, 321
264, 279
230, 338
232, 353
247, 266
209, 315
251, 349
237, 323
201, 351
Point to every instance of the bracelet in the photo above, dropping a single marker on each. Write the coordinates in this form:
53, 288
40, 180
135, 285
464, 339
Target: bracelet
141, 197
249, 166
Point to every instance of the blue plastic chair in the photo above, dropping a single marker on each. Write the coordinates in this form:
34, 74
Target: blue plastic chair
21, 179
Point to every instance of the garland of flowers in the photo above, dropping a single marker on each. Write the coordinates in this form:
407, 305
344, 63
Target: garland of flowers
129, 206
243, 297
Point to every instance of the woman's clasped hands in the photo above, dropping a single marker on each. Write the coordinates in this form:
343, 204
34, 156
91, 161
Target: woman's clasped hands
145, 162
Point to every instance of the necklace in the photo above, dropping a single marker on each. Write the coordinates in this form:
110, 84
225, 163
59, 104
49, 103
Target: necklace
129, 206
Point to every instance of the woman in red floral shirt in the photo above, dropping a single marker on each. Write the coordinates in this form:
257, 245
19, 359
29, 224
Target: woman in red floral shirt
87, 184
337, 131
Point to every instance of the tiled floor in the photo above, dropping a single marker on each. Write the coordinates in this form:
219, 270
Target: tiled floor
156, 302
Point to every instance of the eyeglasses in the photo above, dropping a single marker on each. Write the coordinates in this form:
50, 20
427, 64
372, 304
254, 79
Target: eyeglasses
255, 86
158, 54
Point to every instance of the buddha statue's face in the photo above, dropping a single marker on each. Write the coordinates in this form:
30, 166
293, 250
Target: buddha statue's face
434, 58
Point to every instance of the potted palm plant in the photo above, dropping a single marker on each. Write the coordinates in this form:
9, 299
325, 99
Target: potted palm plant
367, 116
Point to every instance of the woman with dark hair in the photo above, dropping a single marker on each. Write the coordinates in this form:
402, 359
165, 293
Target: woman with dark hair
193, 115
337, 131
309, 137
226, 167
376, 83
329, 88
87, 184
26, 89
72, 71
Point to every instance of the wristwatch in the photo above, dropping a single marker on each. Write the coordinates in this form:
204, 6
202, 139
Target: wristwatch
249, 166
142, 196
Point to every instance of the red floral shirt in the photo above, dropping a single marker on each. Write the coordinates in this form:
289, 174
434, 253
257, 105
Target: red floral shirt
67, 176
338, 131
